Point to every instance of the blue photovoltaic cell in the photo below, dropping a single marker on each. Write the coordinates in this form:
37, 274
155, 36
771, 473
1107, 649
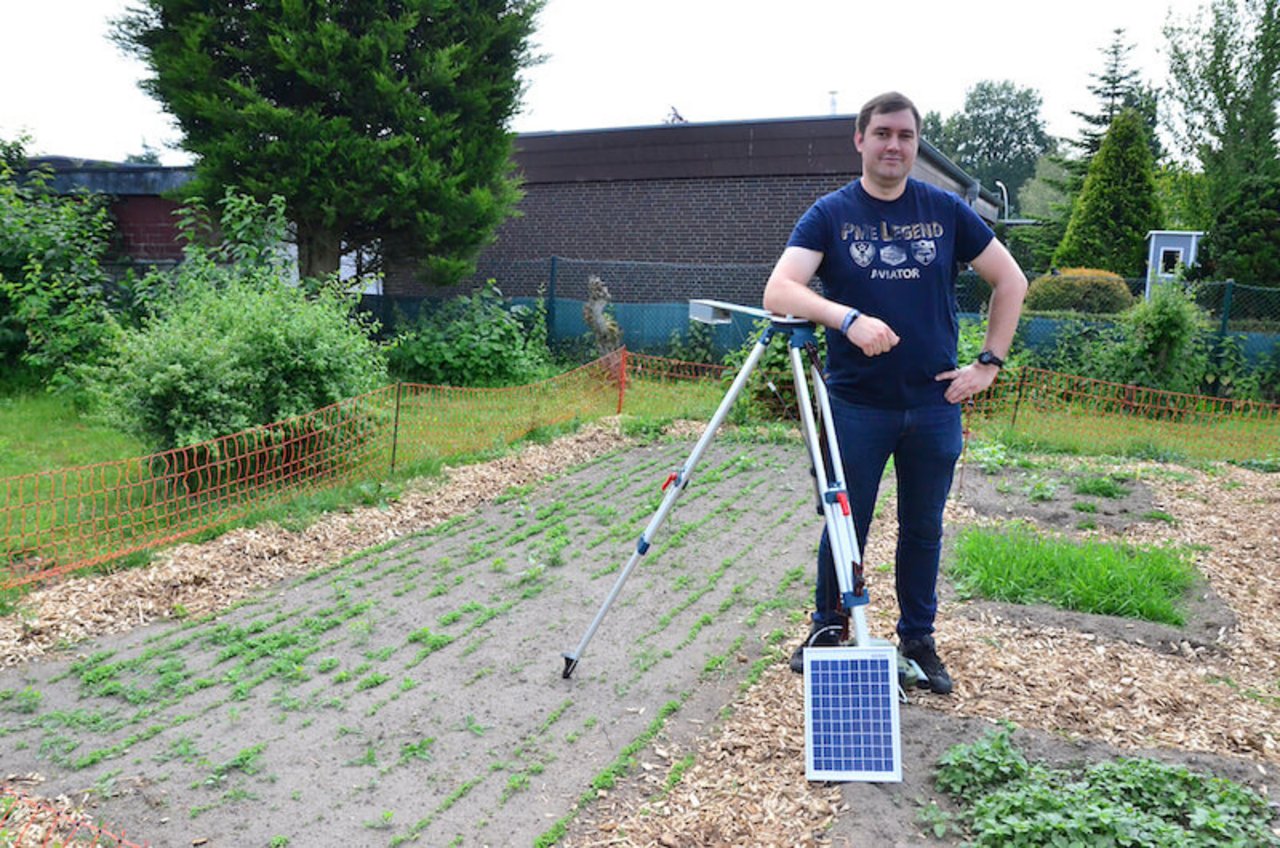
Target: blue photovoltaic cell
851, 729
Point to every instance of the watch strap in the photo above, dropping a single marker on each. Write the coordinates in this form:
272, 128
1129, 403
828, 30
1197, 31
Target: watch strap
849, 318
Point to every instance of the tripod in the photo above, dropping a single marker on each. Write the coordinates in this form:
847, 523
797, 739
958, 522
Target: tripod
824, 454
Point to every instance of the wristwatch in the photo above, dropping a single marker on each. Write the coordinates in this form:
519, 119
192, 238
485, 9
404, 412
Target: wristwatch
989, 358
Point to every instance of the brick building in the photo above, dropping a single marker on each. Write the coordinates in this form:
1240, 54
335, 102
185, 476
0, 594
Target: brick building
666, 212
661, 213
144, 217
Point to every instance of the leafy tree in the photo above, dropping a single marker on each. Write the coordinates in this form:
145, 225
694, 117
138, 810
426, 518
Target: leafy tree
1043, 199
999, 135
1224, 84
1184, 197
54, 292
382, 123
1244, 243
1117, 206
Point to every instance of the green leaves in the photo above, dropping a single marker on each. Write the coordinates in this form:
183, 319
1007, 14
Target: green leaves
473, 340
54, 293
236, 345
1139, 803
1117, 206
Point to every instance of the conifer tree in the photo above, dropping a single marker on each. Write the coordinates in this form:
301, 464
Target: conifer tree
1117, 206
382, 123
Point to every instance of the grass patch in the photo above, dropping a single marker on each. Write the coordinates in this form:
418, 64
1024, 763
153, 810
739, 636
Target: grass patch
1021, 566
41, 431
1099, 487
1010, 802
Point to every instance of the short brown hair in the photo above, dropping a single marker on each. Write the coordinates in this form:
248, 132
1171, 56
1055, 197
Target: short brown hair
884, 104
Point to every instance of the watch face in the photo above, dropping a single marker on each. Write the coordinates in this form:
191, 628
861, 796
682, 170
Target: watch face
989, 358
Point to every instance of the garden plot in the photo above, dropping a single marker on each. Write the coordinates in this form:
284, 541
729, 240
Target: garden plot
414, 692
1081, 688
423, 701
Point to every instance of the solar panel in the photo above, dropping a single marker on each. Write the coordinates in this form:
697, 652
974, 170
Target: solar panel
851, 722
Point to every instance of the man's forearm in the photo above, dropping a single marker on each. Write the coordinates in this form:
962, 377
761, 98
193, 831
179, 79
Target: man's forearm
1002, 317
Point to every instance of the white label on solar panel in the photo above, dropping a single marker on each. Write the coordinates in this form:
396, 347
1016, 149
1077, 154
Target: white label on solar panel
851, 721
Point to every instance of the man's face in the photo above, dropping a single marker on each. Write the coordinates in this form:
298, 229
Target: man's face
888, 147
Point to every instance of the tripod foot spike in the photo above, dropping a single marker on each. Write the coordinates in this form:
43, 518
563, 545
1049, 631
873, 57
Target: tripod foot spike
570, 663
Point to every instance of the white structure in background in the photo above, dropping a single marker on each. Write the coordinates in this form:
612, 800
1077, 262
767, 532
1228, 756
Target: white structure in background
347, 271
1167, 251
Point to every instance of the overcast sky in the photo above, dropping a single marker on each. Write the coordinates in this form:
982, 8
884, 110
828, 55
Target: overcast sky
615, 63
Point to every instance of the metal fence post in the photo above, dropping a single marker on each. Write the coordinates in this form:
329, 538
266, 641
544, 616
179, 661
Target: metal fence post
551, 302
395, 429
1226, 310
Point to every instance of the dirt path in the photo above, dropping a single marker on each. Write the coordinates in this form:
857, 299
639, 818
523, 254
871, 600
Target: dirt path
413, 692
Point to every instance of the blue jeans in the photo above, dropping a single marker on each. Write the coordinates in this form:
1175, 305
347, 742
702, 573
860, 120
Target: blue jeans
925, 444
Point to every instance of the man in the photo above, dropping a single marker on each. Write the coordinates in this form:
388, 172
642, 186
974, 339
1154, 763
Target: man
887, 249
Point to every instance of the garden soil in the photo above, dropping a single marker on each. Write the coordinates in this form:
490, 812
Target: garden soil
392, 675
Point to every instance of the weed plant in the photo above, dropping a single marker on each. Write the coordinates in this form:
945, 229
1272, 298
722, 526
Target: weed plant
1009, 802
1021, 566
1100, 487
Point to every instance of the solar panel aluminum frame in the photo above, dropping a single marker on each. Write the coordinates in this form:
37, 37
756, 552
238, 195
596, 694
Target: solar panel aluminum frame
852, 732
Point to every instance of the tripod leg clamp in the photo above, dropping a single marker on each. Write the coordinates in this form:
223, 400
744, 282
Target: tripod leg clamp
850, 600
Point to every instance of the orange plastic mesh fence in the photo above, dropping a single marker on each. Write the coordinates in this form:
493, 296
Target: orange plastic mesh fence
27, 822
656, 367
1117, 417
57, 521
1097, 415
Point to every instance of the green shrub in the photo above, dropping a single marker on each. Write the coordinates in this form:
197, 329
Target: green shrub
54, 292
770, 393
1086, 290
1166, 342
697, 344
473, 340
236, 345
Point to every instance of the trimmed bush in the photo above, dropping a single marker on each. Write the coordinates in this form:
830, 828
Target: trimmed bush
1087, 290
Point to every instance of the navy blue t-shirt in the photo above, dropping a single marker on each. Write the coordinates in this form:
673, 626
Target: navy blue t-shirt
897, 260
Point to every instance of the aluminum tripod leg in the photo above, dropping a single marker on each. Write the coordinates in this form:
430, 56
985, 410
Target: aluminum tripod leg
675, 486
834, 498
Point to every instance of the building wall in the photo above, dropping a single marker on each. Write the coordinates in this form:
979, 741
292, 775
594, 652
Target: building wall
669, 212
631, 232
147, 228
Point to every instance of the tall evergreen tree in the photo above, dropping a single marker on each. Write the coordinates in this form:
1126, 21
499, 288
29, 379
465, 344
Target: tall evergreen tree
381, 122
1117, 87
1117, 206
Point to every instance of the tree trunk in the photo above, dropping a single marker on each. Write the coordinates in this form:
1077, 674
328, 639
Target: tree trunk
319, 251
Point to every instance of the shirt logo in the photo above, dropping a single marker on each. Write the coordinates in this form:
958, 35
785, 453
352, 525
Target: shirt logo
862, 252
891, 254
924, 251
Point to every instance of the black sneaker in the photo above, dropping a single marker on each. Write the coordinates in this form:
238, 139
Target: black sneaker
924, 653
820, 636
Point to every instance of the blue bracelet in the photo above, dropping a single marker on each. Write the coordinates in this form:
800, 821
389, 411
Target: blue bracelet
848, 321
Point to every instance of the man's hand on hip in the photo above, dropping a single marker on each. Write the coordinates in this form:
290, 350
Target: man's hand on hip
968, 381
